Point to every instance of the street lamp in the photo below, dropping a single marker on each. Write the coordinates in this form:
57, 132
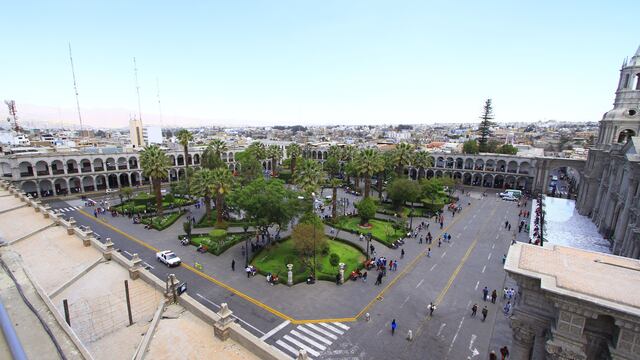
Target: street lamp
368, 241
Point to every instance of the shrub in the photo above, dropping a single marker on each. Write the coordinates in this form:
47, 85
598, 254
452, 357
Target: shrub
334, 259
366, 210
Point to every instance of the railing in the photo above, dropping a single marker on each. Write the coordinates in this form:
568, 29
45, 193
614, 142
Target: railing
86, 170
72, 171
8, 175
98, 169
42, 172
26, 174
110, 168
57, 172
122, 167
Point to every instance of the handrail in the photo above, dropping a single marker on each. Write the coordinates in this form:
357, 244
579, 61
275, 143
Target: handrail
17, 351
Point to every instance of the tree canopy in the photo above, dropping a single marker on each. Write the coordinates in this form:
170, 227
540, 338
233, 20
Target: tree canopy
366, 210
402, 190
485, 125
470, 147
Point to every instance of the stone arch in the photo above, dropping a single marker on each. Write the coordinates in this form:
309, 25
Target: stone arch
46, 188
498, 181
438, 173
122, 163
476, 180
88, 183
135, 178
75, 185
510, 182
111, 164
98, 165
61, 186
313, 154
30, 187
447, 174
72, 167
487, 180
112, 181
173, 175
196, 159
521, 183
466, 178
180, 159
57, 167
525, 168
626, 135
232, 167
101, 182
85, 166
468, 164
133, 162
512, 167
457, 175
479, 165
181, 174
124, 180
172, 160
325, 155
413, 173
26, 169
490, 165
421, 173
42, 168
429, 174
440, 162
459, 163
501, 166
190, 159
449, 164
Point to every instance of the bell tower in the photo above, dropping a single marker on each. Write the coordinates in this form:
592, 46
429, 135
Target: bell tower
623, 121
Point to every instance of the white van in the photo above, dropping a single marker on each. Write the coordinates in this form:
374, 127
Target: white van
512, 192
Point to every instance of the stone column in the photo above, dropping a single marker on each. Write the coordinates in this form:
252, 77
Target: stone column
523, 337
136, 264
567, 341
341, 266
72, 224
108, 249
221, 327
289, 274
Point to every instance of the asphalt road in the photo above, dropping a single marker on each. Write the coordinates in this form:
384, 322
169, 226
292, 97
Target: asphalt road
452, 277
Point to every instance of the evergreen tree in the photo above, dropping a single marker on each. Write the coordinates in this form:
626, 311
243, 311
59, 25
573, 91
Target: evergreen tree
485, 125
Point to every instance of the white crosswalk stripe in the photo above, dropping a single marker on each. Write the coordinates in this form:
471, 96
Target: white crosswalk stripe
315, 338
67, 209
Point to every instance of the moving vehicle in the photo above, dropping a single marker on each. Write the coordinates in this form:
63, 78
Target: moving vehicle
168, 258
509, 197
515, 193
111, 191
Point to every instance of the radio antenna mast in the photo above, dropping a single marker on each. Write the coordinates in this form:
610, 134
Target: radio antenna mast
135, 72
159, 106
75, 89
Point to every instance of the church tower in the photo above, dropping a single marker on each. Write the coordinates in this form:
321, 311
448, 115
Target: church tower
623, 121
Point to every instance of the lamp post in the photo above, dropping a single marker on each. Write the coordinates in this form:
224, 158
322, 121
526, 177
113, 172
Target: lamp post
368, 241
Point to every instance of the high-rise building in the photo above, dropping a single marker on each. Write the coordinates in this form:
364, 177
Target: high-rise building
136, 133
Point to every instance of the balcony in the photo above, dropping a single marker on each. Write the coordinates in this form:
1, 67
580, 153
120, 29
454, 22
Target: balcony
7, 175
26, 174
97, 169
57, 172
122, 167
86, 169
42, 172
72, 171
110, 168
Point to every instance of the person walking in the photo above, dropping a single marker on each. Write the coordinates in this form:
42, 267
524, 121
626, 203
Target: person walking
504, 259
402, 254
485, 293
393, 327
485, 312
474, 310
421, 238
507, 308
509, 227
364, 277
493, 356
379, 279
429, 252
431, 308
439, 242
233, 265
494, 296
504, 352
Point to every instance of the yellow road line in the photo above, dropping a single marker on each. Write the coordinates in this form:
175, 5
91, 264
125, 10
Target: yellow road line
406, 269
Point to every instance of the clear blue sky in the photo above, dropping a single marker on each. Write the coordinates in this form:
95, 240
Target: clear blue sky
316, 62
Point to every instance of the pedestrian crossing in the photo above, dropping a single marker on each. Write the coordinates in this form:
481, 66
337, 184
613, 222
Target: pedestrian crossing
315, 338
68, 209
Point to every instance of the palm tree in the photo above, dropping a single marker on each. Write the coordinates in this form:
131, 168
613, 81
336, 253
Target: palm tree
258, 150
212, 155
388, 164
155, 165
335, 151
184, 138
223, 183
275, 153
308, 176
334, 183
293, 152
403, 154
202, 184
368, 162
422, 160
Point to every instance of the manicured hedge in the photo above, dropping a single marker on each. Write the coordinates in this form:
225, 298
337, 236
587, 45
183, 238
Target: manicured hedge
163, 223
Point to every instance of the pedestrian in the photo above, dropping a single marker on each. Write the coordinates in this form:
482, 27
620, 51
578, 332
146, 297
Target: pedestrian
504, 259
391, 265
506, 223
494, 295
364, 277
233, 265
429, 252
485, 311
431, 308
485, 293
504, 351
509, 227
474, 310
421, 238
402, 254
439, 242
337, 279
379, 279
393, 327
493, 356
441, 224
507, 308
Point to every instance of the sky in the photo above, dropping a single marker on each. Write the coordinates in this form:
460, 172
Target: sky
280, 62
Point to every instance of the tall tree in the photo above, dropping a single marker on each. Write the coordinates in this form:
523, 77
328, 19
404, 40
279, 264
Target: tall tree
184, 138
309, 176
222, 182
369, 163
403, 156
485, 125
202, 184
388, 166
275, 153
331, 166
250, 167
422, 160
334, 183
293, 152
470, 147
155, 165
258, 150
210, 158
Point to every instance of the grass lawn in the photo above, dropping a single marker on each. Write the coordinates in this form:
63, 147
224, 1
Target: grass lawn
213, 246
276, 258
163, 222
211, 221
381, 230
144, 201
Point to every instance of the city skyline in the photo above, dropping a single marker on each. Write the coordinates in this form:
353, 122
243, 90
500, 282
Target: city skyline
285, 64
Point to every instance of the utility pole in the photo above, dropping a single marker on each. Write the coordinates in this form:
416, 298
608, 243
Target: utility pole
75, 89
135, 72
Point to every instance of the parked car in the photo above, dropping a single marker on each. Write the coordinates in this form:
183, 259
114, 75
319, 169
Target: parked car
168, 258
509, 197
111, 191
